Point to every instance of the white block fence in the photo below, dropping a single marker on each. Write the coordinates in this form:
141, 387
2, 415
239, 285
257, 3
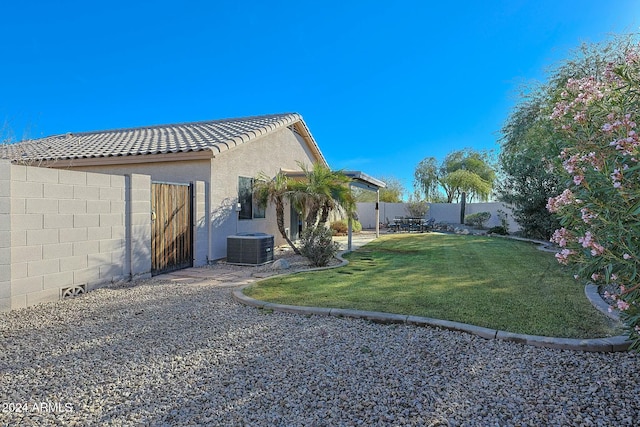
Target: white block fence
448, 213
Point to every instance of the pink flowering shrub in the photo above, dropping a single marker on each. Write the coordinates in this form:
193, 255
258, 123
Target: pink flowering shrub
600, 209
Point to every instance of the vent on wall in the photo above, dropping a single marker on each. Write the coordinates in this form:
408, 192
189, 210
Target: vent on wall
73, 291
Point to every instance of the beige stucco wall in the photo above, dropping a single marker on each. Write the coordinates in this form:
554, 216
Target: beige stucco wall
179, 171
275, 151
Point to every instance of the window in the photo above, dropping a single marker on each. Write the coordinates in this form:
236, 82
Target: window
249, 206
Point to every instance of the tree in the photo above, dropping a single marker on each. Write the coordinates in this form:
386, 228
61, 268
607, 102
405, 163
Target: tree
530, 144
529, 148
275, 190
464, 171
426, 178
392, 193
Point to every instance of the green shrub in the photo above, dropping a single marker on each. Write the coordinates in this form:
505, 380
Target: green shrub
498, 230
477, 219
317, 245
341, 227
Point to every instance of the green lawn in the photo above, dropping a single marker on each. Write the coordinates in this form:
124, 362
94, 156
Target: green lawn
492, 282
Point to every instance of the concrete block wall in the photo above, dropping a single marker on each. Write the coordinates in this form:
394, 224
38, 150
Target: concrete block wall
138, 260
5, 236
61, 230
200, 225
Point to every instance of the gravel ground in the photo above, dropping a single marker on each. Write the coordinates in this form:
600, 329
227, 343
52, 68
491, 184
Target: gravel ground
164, 353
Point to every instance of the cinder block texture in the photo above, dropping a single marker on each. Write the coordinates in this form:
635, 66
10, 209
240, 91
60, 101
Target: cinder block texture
5, 239
57, 251
57, 220
18, 301
27, 221
6, 171
35, 206
5, 205
200, 228
138, 245
58, 280
58, 191
63, 228
72, 177
98, 180
26, 285
27, 189
45, 295
35, 174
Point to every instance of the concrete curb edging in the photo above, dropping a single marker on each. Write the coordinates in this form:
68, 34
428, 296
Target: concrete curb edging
607, 345
611, 344
591, 291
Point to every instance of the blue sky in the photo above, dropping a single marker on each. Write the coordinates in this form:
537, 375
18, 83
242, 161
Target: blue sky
381, 85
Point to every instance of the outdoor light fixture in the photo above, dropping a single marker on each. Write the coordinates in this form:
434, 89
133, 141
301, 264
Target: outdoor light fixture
238, 207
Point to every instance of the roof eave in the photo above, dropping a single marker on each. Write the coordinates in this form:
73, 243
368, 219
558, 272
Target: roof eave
130, 159
303, 130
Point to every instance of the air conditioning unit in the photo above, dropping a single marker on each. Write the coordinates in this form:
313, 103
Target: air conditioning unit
250, 248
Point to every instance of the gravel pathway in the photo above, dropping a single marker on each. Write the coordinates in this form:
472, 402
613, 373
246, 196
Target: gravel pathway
164, 353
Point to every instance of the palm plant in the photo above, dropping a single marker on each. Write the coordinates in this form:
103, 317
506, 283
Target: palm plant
322, 191
275, 190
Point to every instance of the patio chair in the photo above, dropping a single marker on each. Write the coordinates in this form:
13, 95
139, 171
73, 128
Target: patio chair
428, 226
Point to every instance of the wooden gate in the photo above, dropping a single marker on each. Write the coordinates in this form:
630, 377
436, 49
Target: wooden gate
171, 229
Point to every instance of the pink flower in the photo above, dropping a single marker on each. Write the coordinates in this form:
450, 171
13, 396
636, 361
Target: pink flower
570, 165
560, 237
563, 256
616, 177
555, 203
586, 240
577, 180
596, 249
587, 215
626, 256
622, 305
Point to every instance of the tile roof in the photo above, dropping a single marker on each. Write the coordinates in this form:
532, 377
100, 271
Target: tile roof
215, 135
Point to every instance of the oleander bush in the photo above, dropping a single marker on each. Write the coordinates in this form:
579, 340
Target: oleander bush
599, 210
